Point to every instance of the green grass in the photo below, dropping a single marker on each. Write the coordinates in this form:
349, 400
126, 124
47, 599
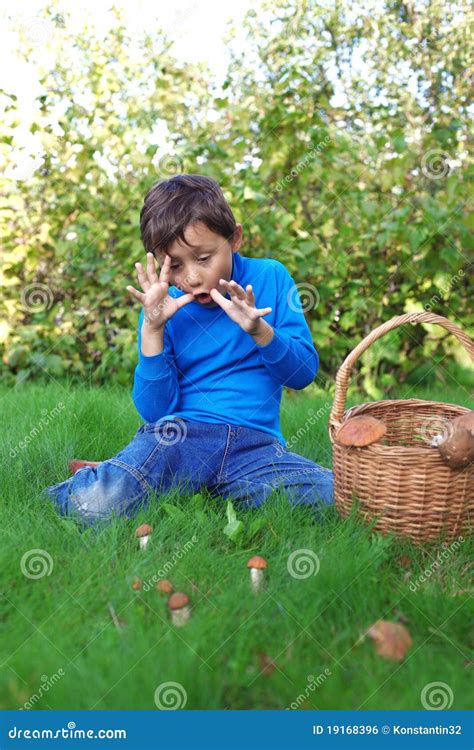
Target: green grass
59, 626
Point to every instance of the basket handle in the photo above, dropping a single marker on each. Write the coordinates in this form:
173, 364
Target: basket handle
342, 377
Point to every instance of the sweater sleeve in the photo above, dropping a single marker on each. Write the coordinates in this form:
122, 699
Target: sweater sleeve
155, 387
290, 356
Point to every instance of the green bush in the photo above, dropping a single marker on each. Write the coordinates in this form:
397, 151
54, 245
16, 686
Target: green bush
341, 141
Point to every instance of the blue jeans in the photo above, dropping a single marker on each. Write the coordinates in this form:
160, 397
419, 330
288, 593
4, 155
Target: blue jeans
232, 461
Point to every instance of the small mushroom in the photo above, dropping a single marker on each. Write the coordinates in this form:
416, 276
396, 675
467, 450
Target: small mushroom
164, 586
457, 448
137, 583
143, 534
180, 610
361, 431
257, 565
392, 639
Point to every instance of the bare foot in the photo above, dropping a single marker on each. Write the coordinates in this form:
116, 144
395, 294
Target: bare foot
77, 464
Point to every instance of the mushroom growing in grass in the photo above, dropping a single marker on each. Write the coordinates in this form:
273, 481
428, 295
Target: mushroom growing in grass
257, 565
137, 583
143, 534
361, 431
164, 586
178, 604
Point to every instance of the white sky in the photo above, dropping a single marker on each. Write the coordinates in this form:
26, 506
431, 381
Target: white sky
196, 26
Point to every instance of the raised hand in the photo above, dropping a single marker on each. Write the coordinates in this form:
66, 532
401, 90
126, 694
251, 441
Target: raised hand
157, 304
241, 306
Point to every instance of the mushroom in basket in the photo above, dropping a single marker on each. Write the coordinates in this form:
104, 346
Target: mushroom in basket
361, 431
457, 447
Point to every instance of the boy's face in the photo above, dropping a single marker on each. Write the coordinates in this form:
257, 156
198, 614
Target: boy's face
197, 269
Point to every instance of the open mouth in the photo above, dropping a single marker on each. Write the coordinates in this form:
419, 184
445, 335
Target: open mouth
203, 298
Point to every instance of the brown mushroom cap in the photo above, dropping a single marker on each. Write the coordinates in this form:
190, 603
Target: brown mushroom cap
360, 431
144, 530
164, 586
257, 562
457, 450
137, 583
466, 422
178, 600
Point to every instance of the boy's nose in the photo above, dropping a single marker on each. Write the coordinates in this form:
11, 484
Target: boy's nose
194, 280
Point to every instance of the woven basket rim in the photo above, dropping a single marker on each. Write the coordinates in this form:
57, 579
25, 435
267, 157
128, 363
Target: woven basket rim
411, 403
394, 451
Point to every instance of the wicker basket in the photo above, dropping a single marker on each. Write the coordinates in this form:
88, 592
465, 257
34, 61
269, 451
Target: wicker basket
401, 482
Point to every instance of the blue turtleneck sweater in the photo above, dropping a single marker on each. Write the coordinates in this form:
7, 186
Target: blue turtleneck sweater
211, 371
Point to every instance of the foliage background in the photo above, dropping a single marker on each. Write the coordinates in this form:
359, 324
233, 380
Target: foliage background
366, 202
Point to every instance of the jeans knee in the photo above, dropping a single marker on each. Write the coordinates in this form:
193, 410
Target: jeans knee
309, 487
319, 487
90, 505
94, 495
100, 501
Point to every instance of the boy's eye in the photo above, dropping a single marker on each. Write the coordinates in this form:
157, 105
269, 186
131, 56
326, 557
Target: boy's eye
200, 259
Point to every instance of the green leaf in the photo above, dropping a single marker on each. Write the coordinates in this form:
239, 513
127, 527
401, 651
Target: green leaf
172, 510
257, 524
230, 512
234, 531
197, 500
201, 517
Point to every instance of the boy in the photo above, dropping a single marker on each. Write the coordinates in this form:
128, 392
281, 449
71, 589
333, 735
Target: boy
219, 335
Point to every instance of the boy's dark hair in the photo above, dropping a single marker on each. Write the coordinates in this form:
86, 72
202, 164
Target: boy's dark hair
171, 205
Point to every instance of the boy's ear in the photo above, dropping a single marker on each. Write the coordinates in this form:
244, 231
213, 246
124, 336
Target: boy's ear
237, 238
